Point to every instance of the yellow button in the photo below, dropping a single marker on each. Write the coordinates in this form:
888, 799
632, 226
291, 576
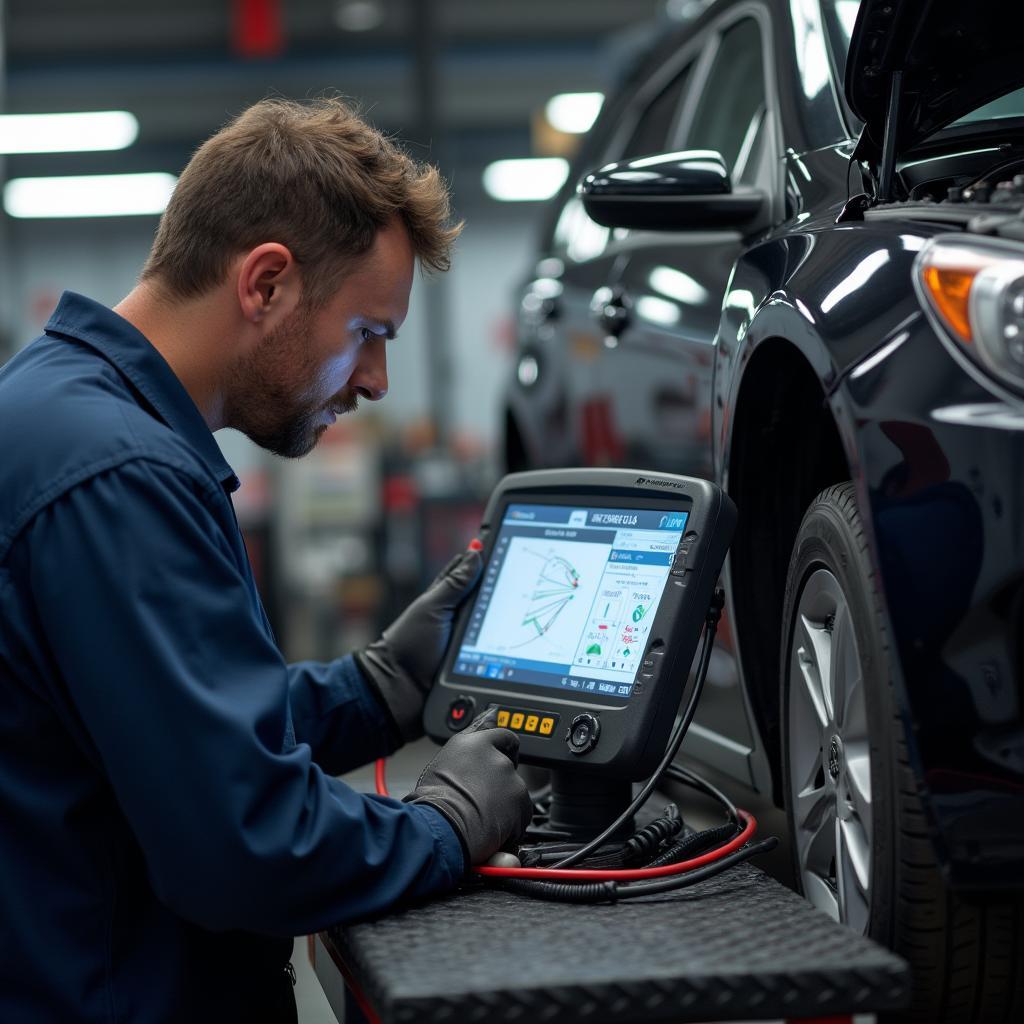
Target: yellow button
546, 725
531, 723
517, 720
502, 719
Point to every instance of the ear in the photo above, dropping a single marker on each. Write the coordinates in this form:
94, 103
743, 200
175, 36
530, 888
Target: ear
269, 285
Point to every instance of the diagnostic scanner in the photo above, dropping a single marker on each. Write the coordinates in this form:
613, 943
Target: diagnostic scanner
595, 588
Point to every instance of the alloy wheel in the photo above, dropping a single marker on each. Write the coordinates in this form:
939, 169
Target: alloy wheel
829, 755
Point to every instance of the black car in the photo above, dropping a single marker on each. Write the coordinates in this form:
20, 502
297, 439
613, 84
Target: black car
794, 263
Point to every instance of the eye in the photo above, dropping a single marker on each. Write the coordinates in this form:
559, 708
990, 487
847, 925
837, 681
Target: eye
366, 334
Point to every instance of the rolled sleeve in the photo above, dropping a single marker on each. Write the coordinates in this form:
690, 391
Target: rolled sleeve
190, 708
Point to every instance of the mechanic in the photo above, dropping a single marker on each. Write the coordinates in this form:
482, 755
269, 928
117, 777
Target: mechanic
170, 816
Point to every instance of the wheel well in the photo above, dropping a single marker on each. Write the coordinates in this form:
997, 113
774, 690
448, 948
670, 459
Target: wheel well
785, 449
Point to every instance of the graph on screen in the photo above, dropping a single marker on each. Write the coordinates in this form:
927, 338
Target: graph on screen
543, 598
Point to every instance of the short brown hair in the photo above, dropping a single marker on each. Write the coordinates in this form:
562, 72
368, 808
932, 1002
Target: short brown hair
314, 177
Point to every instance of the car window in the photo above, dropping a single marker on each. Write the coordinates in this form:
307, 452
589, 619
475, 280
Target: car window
654, 128
574, 232
1010, 105
748, 168
729, 114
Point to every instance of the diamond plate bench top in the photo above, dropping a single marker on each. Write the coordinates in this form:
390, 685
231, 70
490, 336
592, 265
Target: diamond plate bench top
736, 946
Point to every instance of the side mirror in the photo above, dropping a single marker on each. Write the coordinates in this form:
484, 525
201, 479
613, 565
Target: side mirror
671, 192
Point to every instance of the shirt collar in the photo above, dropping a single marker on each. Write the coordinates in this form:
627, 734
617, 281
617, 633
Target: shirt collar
134, 356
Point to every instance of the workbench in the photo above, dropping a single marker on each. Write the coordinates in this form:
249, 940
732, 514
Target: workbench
739, 946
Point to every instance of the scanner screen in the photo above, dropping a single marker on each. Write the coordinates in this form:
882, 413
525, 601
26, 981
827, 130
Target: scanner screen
569, 597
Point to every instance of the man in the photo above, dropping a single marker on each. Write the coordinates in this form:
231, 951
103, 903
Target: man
169, 815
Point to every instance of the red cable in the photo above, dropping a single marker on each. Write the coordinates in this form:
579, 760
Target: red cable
627, 874
591, 875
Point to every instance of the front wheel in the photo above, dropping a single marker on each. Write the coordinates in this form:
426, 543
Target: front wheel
859, 837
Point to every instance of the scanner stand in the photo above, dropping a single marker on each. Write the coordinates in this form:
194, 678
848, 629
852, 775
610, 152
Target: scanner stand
583, 806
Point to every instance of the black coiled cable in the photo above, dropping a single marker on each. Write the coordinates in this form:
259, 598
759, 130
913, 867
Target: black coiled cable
694, 844
648, 840
563, 892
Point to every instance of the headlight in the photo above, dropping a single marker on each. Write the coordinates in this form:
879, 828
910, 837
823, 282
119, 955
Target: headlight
974, 289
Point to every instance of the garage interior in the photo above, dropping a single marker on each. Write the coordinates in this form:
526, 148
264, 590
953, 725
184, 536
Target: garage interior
501, 96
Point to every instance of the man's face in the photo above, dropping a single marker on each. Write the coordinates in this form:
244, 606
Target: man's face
317, 365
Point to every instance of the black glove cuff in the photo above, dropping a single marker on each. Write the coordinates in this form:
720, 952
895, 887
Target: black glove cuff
456, 826
394, 733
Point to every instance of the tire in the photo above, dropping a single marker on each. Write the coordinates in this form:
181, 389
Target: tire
850, 792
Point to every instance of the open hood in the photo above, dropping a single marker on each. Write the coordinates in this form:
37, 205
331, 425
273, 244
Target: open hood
950, 56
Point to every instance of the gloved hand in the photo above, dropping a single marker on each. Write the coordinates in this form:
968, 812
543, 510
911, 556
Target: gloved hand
402, 664
473, 782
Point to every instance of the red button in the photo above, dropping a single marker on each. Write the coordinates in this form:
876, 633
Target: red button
460, 711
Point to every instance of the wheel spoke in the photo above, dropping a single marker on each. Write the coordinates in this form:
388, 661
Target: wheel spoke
815, 657
839, 663
854, 713
858, 783
847, 678
812, 805
852, 874
819, 844
822, 895
854, 856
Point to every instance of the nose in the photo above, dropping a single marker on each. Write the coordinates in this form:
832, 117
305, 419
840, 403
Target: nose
370, 379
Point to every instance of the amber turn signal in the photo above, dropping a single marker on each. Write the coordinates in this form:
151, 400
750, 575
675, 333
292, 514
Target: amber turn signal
950, 290
974, 289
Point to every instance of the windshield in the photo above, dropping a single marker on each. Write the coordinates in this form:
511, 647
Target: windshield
1010, 105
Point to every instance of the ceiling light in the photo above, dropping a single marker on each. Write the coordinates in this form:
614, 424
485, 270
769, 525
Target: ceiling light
358, 15
517, 181
678, 285
67, 133
573, 112
95, 195
659, 311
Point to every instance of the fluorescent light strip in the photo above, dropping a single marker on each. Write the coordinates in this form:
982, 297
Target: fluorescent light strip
573, 112
96, 195
520, 181
67, 133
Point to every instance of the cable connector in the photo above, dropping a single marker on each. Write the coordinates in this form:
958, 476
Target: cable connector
715, 608
646, 842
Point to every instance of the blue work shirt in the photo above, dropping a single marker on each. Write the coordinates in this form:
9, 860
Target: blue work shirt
168, 816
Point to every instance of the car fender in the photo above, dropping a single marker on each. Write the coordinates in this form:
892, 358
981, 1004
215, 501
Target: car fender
835, 309
779, 296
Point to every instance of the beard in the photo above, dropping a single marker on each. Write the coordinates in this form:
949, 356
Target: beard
273, 392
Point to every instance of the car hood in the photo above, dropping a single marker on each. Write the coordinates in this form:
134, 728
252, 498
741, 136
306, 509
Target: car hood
955, 55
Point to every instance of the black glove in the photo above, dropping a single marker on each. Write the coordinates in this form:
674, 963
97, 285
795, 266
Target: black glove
402, 664
473, 782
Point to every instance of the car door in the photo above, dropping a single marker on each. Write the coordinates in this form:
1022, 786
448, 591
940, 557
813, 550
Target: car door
658, 373
658, 369
563, 323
